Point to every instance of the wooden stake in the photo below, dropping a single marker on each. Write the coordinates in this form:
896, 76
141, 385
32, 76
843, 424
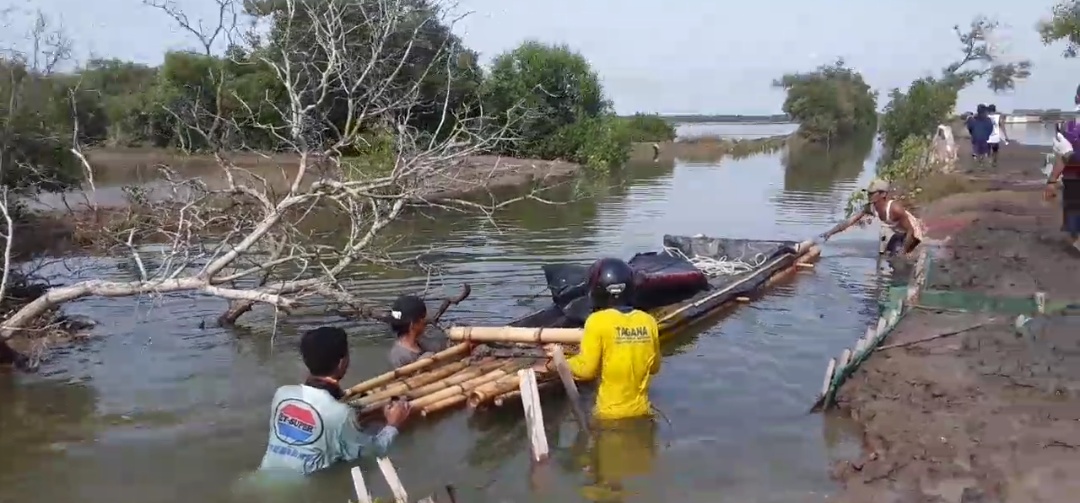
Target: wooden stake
743, 299
534, 417
362, 494
391, 476
804, 265
567, 379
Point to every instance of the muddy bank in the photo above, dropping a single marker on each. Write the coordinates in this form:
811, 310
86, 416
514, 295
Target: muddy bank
116, 168
990, 414
708, 148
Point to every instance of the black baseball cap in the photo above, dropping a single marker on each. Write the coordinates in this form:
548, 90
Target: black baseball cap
408, 309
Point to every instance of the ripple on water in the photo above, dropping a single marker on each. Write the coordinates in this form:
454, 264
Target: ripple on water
195, 401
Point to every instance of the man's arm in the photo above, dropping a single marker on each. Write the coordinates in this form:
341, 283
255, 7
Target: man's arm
355, 443
1063, 149
843, 226
1004, 132
586, 364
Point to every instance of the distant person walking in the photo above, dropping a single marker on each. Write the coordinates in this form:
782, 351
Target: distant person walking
981, 127
997, 134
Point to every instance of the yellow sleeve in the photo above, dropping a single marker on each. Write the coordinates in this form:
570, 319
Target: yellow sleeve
655, 334
586, 364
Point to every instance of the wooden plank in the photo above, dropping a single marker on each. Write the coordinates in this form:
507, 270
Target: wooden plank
390, 474
567, 379
362, 494
829, 370
534, 416
845, 358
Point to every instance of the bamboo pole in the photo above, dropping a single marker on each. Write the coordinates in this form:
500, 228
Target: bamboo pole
808, 252
464, 388
411, 383
517, 334
489, 391
515, 394
453, 400
452, 353
457, 378
811, 254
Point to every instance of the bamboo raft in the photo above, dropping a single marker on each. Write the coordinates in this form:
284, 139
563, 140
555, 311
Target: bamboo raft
481, 368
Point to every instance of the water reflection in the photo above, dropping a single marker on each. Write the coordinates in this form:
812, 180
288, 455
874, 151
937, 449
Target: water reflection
810, 167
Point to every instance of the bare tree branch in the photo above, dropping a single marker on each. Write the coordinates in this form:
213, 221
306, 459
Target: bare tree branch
350, 154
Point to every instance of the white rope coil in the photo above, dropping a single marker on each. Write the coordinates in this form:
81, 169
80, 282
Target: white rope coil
723, 266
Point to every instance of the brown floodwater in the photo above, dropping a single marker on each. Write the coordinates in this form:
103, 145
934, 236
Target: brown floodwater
157, 409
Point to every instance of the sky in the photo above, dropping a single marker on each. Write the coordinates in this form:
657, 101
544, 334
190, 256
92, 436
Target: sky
679, 56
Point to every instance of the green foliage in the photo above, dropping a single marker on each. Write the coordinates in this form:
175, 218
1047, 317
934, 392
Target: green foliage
375, 158
536, 90
1063, 26
930, 101
829, 103
547, 96
601, 143
927, 103
36, 127
647, 127
903, 172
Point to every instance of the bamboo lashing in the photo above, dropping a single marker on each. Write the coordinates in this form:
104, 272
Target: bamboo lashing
458, 377
452, 353
404, 386
517, 334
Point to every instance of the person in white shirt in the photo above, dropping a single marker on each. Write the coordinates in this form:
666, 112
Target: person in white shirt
998, 135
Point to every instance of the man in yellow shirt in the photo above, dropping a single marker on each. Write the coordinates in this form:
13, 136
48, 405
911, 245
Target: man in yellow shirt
621, 345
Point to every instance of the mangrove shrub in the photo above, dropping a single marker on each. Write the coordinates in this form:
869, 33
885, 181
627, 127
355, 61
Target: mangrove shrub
648, 128
551, 99
830, 103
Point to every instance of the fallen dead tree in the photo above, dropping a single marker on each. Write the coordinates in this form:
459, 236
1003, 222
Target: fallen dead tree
247, 237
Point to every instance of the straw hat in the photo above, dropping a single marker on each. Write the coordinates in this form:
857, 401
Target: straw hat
878, 185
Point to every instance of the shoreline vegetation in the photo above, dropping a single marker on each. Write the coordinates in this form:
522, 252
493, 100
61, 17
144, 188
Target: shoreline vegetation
241, 147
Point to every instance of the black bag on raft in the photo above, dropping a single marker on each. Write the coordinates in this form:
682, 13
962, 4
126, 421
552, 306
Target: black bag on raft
659, 279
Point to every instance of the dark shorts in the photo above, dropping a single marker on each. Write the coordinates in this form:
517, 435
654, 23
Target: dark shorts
895, 245
1070, 205
994, 147
980, 147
